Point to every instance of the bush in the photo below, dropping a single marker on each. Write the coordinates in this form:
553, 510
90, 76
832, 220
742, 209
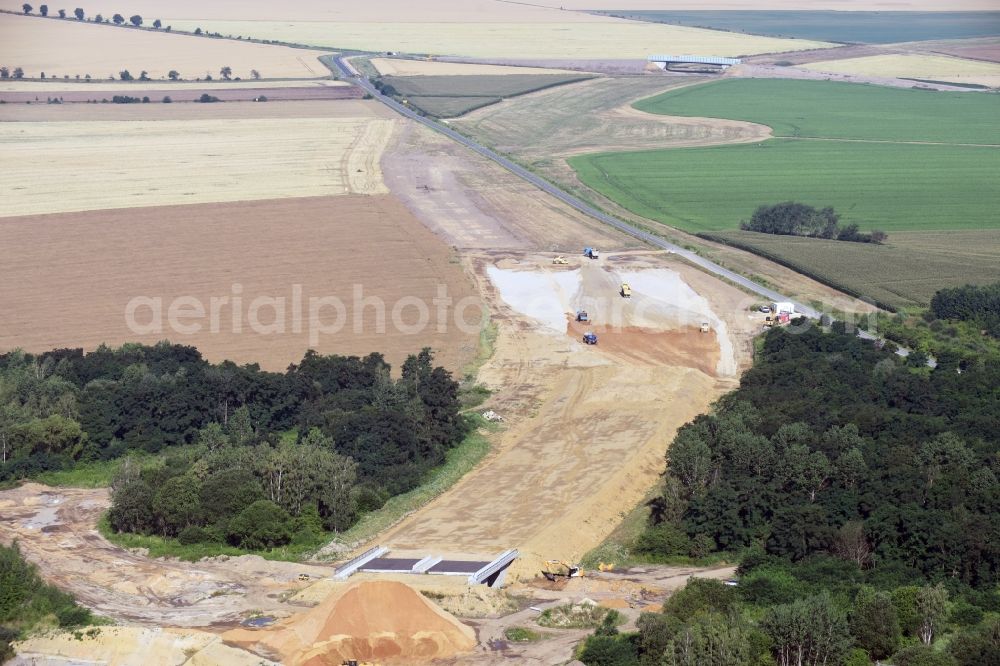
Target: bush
576, 616
521, 635
609, 651
261, 525
663, 539
765, 586
919, 655
193, 534
701, 594
965, 614
207, 99
167, 100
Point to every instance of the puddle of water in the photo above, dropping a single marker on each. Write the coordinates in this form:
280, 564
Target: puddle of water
43, 518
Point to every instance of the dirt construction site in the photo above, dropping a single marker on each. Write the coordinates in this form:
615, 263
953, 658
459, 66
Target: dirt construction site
585, 426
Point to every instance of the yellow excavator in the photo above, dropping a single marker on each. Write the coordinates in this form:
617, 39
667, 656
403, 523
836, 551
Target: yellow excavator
555, 569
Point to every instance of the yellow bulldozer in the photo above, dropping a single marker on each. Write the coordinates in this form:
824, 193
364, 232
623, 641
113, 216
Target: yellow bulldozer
560, 261
555, 569
626, 290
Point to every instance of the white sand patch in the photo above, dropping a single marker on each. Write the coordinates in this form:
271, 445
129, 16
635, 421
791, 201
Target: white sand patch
675, 299
542, 296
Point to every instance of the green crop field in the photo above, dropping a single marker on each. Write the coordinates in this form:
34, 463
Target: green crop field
885, 158
836, 110
450, 96
887, 186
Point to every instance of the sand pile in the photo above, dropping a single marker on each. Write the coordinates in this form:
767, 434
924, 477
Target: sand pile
368, 620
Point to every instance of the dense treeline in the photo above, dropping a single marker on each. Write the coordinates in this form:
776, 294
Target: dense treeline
862, 496
791, 218
328, 438
830, 443
975, 304
26, 601
783, 615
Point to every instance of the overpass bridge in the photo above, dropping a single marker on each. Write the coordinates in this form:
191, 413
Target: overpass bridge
665, 61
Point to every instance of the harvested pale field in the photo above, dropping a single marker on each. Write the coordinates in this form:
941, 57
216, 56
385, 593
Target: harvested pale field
601, 37
343, 109
67, 279
912, 66
61, 48
54, 87
400, 67
118, 164
156, 93
484, 10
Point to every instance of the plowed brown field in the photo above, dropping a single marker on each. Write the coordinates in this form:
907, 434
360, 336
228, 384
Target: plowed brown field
66, 279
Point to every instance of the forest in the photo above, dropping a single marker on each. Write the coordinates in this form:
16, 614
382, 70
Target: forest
243, 456
859, 494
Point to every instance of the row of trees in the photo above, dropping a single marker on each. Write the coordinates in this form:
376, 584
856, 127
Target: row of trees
791, 218
326, 413
117, 19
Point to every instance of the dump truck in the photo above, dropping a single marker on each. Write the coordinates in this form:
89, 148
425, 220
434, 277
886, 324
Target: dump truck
559, 569
581, 315
626, 290
591, 253
590, 338
560, 260
705, 328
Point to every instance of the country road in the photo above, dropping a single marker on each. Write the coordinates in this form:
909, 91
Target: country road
352, 76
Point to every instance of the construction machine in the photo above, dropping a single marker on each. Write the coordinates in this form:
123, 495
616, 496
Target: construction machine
555, 569
590, 338
779, 319
591, 253
626, 290
581, 315
705, 328
560, 261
